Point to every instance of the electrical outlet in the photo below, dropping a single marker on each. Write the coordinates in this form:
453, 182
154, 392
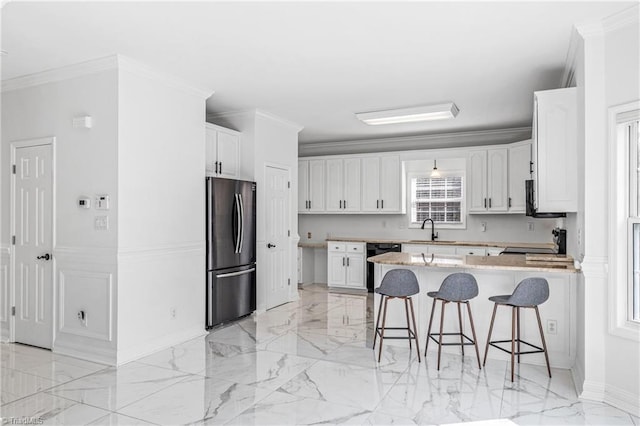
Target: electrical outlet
552, 327
384, 223
483, 227
82, 317
529, 226
308, 235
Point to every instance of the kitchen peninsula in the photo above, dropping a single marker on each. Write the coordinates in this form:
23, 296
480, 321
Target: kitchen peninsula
495, 275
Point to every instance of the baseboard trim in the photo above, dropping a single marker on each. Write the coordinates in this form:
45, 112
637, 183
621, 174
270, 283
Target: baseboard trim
623, 400
593, 391
86, 352
155, 345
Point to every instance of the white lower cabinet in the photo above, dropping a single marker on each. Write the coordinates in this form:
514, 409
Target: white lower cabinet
346, 264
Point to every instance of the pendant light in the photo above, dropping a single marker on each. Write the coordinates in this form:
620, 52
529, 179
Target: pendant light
435, 173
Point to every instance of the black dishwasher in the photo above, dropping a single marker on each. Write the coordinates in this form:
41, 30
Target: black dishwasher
375, 249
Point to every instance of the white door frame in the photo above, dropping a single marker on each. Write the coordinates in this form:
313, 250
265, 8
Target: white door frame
15, 145
289, 239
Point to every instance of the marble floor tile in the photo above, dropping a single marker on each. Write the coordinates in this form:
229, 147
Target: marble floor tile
16, 384
326, 381
306, 362
43, 408
196, 400
285, 409
114, 388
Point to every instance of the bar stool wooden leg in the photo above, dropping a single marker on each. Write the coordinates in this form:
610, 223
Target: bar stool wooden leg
441, 325
518, 339
461, 329
544, 344
433, 309
375, 334
513, 338
415, 329
406, 312
384, 321
473, 333
493, 317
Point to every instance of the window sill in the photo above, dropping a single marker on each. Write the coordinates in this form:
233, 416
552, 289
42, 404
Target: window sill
438, 226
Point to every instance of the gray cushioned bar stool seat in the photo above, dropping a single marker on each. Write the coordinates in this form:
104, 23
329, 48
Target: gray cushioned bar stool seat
529, 293
400, 284
456, 288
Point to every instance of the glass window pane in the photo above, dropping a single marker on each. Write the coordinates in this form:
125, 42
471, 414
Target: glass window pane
437, 198
635, 290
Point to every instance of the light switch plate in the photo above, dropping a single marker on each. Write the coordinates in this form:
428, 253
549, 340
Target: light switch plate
101, 223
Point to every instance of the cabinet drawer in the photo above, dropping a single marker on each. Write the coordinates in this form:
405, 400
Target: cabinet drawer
355, 248
473, 251
334, 246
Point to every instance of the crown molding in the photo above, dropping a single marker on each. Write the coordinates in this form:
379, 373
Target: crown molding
98, 65
297, 127
621, 19
409, 143
255, 112
137, 68
568, 75
63, 73
590, 29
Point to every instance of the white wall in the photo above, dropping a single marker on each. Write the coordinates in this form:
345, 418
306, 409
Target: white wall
86, 164
607, 74
161, 235
267, 140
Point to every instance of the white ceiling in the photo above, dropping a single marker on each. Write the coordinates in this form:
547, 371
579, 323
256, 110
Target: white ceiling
318, 63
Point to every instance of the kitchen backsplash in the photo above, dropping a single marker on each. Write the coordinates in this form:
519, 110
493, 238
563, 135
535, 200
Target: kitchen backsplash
508, 228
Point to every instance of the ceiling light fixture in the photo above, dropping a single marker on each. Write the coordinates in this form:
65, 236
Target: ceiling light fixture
435, 173
410, 115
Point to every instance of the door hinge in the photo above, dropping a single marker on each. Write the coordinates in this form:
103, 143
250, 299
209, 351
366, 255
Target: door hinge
14, 169
13, 240
13, 311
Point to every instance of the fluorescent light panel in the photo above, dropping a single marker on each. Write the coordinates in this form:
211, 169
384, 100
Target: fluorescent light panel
409, 115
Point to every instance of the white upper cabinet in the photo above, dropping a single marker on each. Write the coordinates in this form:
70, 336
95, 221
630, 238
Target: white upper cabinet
555, 150
488, 181
311, 179
496, 178
343, 185
382, 185
222, 152
519, 172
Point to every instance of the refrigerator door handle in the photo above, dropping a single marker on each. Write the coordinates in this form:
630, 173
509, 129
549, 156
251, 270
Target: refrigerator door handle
241, 224
210, 304
238, 222
235, 274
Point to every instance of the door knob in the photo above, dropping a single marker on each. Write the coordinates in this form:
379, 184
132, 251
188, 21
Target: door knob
46, 256
270, 245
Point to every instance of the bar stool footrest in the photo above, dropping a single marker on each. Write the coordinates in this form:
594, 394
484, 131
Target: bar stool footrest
469, 340
538, 350
413, 335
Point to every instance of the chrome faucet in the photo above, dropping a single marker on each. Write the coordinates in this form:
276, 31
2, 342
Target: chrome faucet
433, 235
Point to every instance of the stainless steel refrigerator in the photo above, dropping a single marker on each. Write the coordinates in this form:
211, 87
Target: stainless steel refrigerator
231, 250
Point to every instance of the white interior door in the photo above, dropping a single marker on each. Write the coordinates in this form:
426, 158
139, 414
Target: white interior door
33, 266
277, 236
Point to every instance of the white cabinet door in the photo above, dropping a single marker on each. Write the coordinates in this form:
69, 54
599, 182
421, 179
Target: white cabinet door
415, 248
303, 186
355, 271
497, 200
477, 182
228, 154
352, 185
555, 137
222, 152
336, 275
390, 191
438, 249
335, 185
316, 185
519, 172
471, 251
370, 184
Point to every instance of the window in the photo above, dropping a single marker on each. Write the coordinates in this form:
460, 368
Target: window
438, 198
630, 132
624, 223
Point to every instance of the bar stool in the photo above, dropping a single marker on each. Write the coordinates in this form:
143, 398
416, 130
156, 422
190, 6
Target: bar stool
529, 293
458, 288
397, 284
